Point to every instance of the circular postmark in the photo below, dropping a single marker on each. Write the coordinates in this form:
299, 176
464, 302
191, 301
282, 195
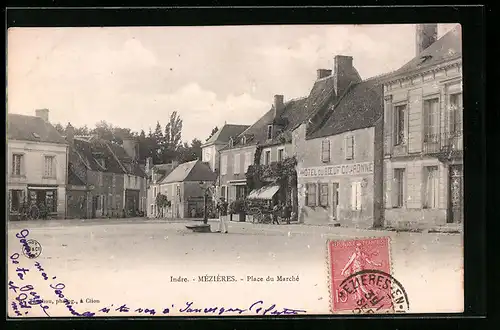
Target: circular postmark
32, 249
373, 291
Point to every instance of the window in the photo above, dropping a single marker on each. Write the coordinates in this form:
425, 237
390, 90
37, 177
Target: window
135, 181
223, 165
17, 161
223, 191
154, 192
349, 147
281, 154
431, 187
431, 120
48, 171
267, 157
323, 198
207, 155
269, 132
231, 142
356, 195
311, 194
51, 200
399, 193
16, 199
399, 124
325, 151
248, 160
128, 180
240, 192
456, 113
236, 163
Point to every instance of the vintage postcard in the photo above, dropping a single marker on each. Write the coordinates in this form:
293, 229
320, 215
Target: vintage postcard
234, 170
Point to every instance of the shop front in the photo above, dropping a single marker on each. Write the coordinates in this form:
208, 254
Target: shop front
338, 194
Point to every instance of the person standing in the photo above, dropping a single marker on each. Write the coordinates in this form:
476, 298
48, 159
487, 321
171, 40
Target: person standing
222, 208
287, 212
276, 210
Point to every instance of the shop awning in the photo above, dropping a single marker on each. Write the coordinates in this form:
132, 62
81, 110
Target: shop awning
266, 192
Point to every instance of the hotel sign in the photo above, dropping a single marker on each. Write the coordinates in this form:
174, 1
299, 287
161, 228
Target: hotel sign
336, 170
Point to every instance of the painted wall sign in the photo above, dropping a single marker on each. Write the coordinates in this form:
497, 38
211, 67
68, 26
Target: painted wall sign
336, 170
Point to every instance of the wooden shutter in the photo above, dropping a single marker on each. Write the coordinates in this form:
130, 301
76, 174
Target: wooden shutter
325, 151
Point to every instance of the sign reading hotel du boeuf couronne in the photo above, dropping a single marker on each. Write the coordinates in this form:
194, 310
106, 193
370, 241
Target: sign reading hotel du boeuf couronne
337, 170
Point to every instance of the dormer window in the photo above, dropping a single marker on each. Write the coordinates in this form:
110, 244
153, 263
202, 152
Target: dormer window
269, 132
231, 142
36, 135
424, 58
244, 140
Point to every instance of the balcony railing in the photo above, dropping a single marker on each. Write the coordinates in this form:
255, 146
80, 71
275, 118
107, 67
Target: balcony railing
443, 142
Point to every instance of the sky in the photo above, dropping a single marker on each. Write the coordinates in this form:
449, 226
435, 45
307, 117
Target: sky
135, 76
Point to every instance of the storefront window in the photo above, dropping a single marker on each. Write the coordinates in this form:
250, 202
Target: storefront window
16, 200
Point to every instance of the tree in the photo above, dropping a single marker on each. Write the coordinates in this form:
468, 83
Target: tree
104, 130
196, 148
162, 202
159, 143
214, 130
60, 129
175, 129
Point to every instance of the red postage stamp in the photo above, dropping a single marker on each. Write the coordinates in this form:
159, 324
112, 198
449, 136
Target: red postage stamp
360, 274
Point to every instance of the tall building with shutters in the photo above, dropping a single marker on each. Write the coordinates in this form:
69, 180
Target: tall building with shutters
340, 160
423, 140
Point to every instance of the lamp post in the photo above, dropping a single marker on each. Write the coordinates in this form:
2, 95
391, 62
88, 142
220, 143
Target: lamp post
205, 198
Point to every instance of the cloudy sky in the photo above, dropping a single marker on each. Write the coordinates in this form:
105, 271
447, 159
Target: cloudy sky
133, 77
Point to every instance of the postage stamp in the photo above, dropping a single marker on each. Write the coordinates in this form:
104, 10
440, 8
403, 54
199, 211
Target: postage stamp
360, 276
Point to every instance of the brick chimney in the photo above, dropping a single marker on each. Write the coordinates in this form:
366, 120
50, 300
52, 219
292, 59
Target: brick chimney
70, 133
278, 106
426, 35
43, 113
323, 73
131, 147
344, 74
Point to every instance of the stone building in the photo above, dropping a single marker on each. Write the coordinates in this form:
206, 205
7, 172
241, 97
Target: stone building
184, 188
340, 160
423, 140
210, 149
269, 140
97, 185
156, 173
36, 164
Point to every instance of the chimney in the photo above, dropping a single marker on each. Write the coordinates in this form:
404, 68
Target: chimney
70, 133
426, 35
323, 73
149, 164
130, 145
344, 74
278, 106
43, 113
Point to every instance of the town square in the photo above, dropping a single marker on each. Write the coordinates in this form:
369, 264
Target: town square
158, 170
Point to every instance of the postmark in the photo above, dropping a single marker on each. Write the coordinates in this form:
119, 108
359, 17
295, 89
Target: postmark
32, 249
360, 280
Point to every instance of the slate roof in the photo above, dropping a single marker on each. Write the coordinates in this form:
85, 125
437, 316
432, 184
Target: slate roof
31, 128
132, 167
163, 170
360, 107
87, 149
227, 131
190, 171
292, 114
73, 179
445, 48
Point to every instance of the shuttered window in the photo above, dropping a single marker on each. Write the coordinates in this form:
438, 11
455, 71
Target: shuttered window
356, 196
325, 151
349, 147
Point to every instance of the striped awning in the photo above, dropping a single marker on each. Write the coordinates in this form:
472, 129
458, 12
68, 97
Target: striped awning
266, 192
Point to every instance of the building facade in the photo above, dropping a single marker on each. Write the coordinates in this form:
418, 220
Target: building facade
36, 164
339, 162
211, 148
97, 173
423, 140
156, 173
184, 188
